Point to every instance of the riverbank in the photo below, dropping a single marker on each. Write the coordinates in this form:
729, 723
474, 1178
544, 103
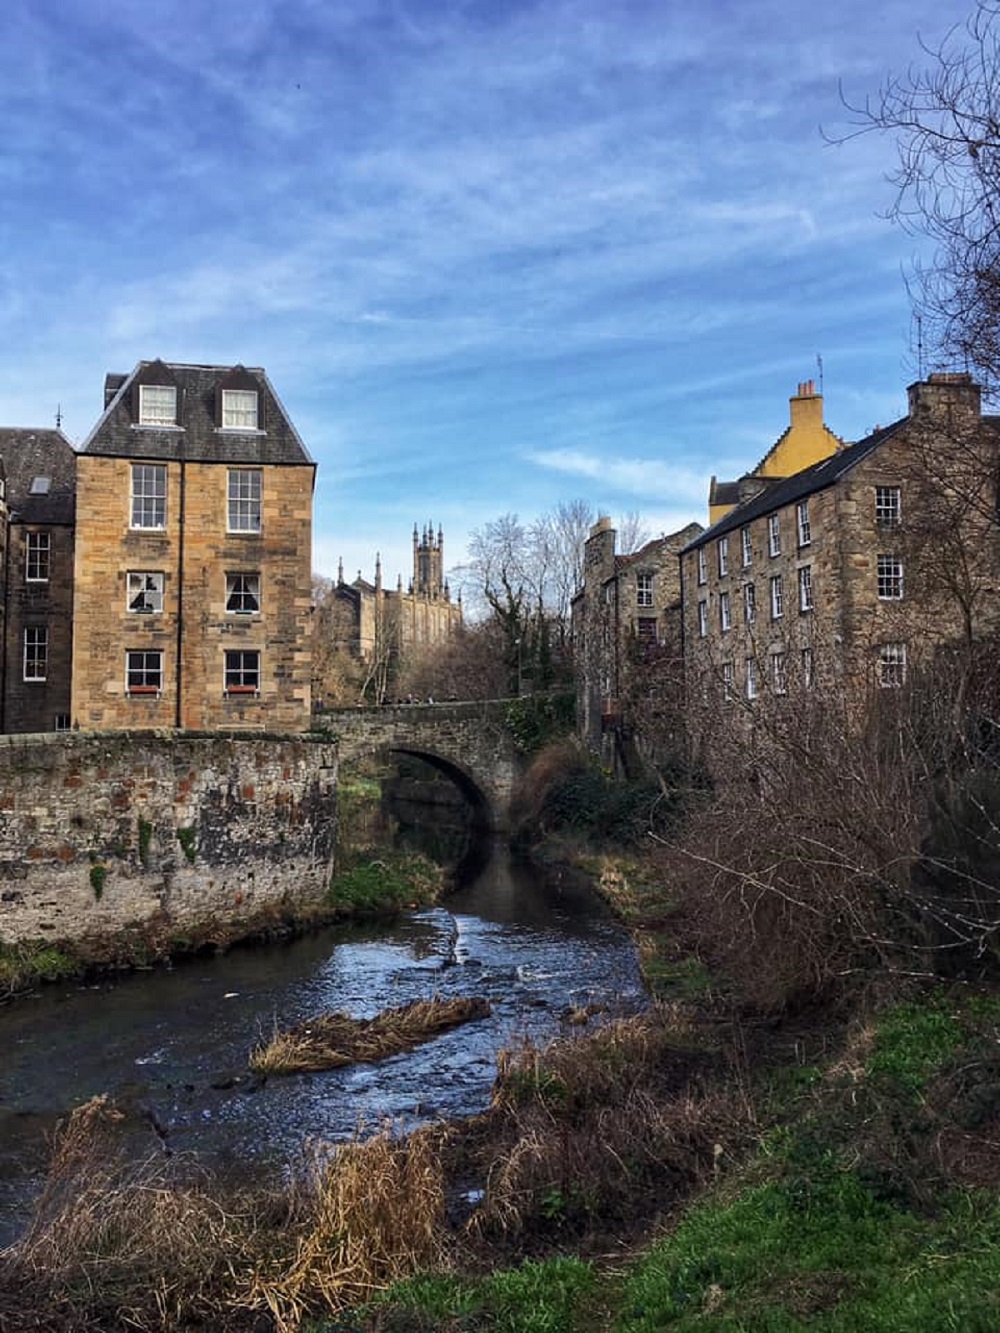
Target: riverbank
711, 1163
369, 884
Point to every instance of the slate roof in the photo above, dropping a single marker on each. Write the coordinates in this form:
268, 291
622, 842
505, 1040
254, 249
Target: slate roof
799, 486
681, 539
197, 437
26, 454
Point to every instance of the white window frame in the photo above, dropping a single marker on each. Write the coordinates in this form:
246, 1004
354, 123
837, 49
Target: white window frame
779, 673
805, 588
890, 578
149, 496
891, 665
807, 667
157, 405
802, 523
242, 587
750, 677
241, 672
37, 557
35, 659
728, 676
746, 546
62, 722
240, 409
773, 534
644, 590
144, 671
725, 613
723, 545
703, 620
749, 603
702, 566
777, 597
888, 506
244, 499
146, 584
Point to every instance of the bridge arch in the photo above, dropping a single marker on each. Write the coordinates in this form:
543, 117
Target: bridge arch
468, 742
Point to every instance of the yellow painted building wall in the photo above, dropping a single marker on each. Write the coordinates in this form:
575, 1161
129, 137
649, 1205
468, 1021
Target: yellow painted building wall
806, 441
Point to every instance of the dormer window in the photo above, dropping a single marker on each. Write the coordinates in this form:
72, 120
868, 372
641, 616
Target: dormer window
239, 409
157, 405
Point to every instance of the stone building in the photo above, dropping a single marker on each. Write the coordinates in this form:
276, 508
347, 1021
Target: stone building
845, 574
625, 619
36, 578
378, 626
192, 571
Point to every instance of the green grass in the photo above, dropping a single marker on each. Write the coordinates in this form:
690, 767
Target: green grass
21, 965
537, 1297
831, 1258
912, 1043
385, 882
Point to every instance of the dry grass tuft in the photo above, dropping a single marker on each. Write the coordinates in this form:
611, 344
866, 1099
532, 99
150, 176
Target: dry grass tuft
375, 1214
331, 1040
112, 1237
583, 1130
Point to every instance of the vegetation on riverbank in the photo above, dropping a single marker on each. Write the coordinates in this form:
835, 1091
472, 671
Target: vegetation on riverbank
801, 1132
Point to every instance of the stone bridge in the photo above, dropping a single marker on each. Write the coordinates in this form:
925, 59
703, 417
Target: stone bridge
469, 742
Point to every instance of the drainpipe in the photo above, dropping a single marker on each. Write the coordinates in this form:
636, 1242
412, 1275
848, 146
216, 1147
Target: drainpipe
179, 665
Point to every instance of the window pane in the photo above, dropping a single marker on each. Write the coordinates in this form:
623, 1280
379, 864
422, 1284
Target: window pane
149, 495
145, 591
37, 557
144, 672
242, 672
239, 409
244, 500
157, 405
890, 577
644, 589
36, 652
243, 593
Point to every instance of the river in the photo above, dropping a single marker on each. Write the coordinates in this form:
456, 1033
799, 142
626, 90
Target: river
173, 1043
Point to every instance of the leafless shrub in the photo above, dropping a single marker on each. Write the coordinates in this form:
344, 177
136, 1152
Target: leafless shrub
584, 1128
841, 836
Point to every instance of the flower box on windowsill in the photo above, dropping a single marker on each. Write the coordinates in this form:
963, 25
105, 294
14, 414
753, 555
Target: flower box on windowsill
242, 689
144, 689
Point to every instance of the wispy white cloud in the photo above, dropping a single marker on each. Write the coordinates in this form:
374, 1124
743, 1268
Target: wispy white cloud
462, 238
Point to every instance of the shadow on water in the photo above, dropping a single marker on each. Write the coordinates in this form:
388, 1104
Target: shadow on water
173, 1044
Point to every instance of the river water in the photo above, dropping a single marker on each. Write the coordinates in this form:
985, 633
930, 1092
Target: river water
173, 1044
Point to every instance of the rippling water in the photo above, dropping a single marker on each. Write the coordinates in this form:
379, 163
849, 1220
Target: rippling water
175, 1043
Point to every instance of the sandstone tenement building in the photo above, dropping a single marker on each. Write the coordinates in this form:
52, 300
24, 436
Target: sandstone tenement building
161, 577
192, 574
626, 613
36, 576
846, 573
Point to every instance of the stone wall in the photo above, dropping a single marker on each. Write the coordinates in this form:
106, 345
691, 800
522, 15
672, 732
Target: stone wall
170, 830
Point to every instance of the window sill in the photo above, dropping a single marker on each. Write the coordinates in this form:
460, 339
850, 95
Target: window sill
241, 692
156, 425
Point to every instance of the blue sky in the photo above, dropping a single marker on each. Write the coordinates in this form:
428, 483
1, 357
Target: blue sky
494, 255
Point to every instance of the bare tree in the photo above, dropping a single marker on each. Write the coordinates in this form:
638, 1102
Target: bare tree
945, 119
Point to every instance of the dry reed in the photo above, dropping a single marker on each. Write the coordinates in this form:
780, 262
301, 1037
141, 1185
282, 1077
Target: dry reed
375, 1214
331, 1040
